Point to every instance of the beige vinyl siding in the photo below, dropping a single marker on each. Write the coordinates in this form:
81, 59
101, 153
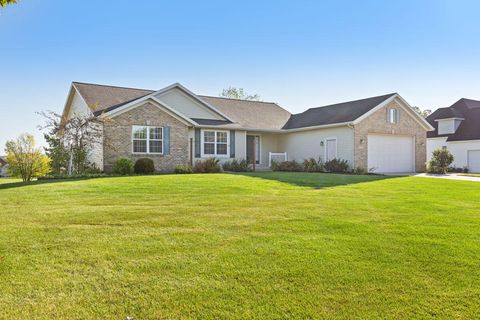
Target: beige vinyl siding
269, 142
307, 144
187, 106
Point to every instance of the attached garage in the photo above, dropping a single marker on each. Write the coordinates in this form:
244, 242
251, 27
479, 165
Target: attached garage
391, 153
474, 161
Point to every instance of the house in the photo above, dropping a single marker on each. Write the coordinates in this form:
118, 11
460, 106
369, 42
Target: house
457, 128
3, 167
175, 126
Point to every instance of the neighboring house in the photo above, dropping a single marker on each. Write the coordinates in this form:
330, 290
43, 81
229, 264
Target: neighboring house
3, 167
457, 128
174, 126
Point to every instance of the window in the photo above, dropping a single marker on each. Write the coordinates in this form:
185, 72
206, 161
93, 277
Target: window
392, 116
215, 143
147, 139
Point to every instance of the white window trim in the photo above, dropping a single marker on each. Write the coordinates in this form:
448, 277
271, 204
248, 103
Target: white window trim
202, 138
392, 118
148, 139
326, 148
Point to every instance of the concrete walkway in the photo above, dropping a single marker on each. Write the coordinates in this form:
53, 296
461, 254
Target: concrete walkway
450, 176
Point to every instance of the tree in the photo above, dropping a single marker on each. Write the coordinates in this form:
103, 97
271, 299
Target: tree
57, 152
24, 159
238, 93
441, 161
71, 140
424, 113
3, 3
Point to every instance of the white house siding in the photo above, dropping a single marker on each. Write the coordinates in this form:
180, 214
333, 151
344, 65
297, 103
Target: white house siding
459, 149
80, 108
307, 144
434, 144
186, 105
240, 146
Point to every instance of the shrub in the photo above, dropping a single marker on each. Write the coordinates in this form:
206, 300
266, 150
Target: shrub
312, 165
144, 166
182, 169
292, 166
455, 170
441, 161
75, 176
236, 166
123, 166
211, 165
359, 171
336, 165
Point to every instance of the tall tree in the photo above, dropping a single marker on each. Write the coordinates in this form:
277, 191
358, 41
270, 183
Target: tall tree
424, 113
70, 140
3, 3
25, 159
238, 93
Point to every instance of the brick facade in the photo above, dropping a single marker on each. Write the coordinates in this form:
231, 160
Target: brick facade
118, 138
377, 123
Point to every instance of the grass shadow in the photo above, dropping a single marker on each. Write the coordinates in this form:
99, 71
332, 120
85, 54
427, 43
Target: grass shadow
19, 184
316, 180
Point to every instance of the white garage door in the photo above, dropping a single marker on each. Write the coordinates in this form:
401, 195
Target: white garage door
474, 160
390, 154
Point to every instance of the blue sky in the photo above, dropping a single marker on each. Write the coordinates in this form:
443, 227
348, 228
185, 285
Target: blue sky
299, 54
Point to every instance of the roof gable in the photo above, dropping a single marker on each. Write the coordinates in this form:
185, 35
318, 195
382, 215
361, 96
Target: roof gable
188, 106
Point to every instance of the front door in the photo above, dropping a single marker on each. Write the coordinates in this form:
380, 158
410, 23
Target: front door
253, 149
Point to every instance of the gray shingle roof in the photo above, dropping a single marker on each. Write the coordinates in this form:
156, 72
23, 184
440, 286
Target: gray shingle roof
469, 128
251, 114
102, 98
335, 113
246, 114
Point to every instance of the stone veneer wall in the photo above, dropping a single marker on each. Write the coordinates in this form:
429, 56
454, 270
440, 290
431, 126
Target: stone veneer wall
118, 138
377, 123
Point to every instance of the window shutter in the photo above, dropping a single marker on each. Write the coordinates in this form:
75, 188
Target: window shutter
397, 112
232, 143
388, 115
197, 142
166, 140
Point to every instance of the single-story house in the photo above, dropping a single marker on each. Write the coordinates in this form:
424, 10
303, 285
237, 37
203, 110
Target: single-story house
457, 128
175, 126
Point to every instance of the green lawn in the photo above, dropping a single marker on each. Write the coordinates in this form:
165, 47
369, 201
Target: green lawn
256, 246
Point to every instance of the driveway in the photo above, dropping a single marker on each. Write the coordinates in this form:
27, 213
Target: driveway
450, 176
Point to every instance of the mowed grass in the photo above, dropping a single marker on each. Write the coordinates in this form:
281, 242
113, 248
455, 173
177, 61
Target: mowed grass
256, 246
